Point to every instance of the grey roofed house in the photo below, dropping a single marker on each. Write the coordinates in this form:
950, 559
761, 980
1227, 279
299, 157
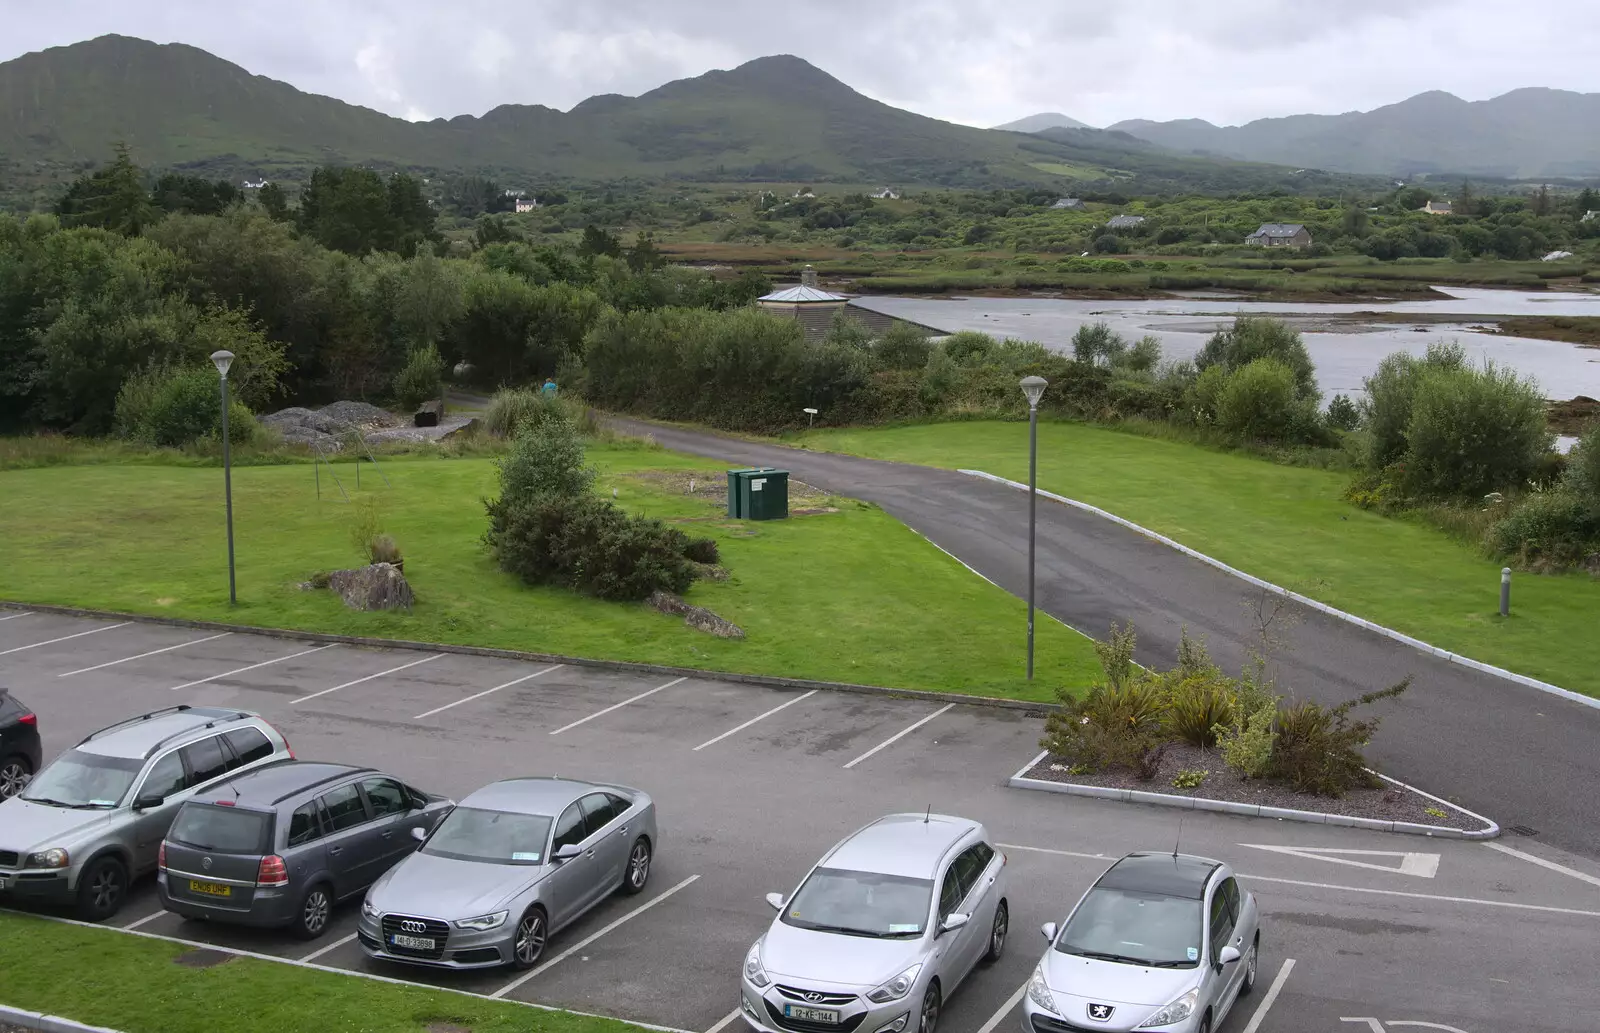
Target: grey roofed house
1072, 203
1280, 234
1124, 222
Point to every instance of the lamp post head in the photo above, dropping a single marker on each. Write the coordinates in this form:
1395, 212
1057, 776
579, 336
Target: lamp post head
1034, 387
223, 360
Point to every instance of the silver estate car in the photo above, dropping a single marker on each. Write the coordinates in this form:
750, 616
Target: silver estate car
510, 866
1161, 942
881, 931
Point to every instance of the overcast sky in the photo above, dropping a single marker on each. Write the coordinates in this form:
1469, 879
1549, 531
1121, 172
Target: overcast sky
981, 63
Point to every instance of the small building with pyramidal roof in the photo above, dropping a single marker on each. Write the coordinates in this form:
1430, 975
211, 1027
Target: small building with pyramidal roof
814, 309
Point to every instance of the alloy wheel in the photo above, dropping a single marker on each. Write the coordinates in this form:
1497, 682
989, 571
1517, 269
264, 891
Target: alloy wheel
530, 938
314, 916
997, 935
930, 1011
14, 778
105, 889
1250, 968
639, 866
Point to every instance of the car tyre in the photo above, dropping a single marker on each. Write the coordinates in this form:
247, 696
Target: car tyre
997, 933
101, 889
638, 870
527, 943
316, 908
1251, 959
928, 1015
15, 774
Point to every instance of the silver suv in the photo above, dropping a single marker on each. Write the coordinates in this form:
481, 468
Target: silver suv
93, 819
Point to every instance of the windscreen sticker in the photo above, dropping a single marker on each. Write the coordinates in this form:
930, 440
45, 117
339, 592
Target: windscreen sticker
102, 803
902, 927
1194, 953
525, 855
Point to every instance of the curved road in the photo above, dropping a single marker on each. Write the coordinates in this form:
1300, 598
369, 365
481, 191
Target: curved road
1517, 755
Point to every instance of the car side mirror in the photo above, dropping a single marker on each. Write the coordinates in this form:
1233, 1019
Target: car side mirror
776, 900
1049, 930
149, 800
1228, 955
567, 852
418, 833
954, 921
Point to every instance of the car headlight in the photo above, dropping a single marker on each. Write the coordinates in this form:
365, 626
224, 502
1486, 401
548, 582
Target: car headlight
482, 921
896, 988
368, 910
752, 966
1177, 1011
1039, 992
55, 857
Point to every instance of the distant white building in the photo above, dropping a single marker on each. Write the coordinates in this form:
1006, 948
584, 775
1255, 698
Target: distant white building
1437, 208
526, 204
1068, 204
805, 193
1590, 216
1556, 256
886, 194
254, 184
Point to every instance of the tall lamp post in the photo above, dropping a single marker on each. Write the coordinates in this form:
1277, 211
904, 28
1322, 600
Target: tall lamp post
223, 362
1033, 387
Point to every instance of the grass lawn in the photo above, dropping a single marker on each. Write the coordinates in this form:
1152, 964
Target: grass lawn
1288, 525
135, 984
851, 595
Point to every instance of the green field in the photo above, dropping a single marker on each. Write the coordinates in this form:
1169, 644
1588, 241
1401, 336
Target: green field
140, 985
850, 596
1289, 525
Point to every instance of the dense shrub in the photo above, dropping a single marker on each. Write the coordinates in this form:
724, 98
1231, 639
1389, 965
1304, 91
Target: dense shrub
514, 407
587, 544
1118, 724
178, 407
1343, 414
1386, 409
546, 459
421, 379
1318, 749
1553, 529
1257, 402
904, 346
702, 550
1097, 343
1258, 337
1473, 431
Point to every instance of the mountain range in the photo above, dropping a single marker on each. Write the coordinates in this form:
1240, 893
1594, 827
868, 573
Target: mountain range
1042, 121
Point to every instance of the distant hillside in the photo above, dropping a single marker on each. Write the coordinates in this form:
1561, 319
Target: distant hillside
1046, 120
771, 119
1526, 133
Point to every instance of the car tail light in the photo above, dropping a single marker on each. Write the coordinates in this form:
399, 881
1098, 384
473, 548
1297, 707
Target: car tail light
161, 856
272, 872
30, 718
223, 803
287, 748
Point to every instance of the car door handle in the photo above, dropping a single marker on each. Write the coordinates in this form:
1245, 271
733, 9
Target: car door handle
588, 853
622, 829
388, 834
336, 850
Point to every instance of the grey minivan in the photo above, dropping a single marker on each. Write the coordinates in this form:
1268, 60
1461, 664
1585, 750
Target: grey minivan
278, 847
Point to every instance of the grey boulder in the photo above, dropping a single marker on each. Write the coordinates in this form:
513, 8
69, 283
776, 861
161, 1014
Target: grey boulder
379, 586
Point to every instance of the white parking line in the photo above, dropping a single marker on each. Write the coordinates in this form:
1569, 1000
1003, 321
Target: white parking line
151, 917
63, 638
1058, 853
618, 706
896, 737
14, 616
141, 656
335, 945
753, 720
1272, 995
722, 1023
241, 670
1005, 1009
369, 677
575, 948
1542, 863
485, 692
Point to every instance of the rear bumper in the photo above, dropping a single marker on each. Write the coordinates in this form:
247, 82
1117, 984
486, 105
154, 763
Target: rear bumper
269, 909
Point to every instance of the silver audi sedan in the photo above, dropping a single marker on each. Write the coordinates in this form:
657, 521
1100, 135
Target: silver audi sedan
513, 863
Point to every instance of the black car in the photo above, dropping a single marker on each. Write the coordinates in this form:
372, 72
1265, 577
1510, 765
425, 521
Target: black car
20, 754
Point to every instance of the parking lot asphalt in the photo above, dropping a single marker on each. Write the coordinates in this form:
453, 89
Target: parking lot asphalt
752, 784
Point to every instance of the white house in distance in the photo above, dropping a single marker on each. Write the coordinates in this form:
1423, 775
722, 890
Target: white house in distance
887, 194
254, 184
526, 204
1437, 208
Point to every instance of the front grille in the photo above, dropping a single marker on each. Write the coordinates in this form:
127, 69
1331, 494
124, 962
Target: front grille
431, 927
1045, 1024
477, 956
799, 1026
798, 996
9, 858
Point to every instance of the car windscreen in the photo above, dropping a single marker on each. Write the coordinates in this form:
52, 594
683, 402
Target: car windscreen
492, 837
1135, 928
220, 829
81, 779
861, 904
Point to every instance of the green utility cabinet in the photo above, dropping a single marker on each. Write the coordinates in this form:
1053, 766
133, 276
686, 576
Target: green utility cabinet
760, 494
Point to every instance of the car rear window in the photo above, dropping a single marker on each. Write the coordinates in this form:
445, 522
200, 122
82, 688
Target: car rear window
223, 830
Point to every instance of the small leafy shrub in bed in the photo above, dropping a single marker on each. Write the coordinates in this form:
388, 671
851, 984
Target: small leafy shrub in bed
1198, 697
1118, 723
1318, 748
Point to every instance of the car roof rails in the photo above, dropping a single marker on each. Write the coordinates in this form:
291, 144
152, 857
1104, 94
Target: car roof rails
128, 722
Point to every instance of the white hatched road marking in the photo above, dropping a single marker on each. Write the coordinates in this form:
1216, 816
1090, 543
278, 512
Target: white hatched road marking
314, 955
1542, 863
641, 909
370, 677
618, 706
485, 692
722, 1023
241, 670
141, 656
1005, 1009
14, 616
896, 737
1423, 866
753, 720
63, 638
1272, 995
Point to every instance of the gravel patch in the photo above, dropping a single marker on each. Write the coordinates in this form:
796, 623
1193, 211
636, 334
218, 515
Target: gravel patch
446, 427
360, 414
1391, 803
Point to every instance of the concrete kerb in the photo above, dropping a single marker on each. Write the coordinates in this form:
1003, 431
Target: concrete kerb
765, 680
46, 1023
1490, 829
1360, 622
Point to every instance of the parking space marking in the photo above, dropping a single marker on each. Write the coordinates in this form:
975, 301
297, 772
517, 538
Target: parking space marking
151, 917
1005, 1009
722, 1023
336, 944
901, 734
1542, 863
14, 616
575, 948
141, 656
619, 706
478, 695
241, 670
753, 720
63, 638
370, 677
1272, 995
1058, 853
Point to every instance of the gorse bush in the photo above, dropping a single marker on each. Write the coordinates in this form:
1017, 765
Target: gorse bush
702, 550
421, 379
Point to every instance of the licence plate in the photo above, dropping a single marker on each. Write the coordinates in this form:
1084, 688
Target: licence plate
210, 889
804, 1014
416, 943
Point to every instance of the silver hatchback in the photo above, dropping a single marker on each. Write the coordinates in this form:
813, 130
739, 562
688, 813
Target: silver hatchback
514, 863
